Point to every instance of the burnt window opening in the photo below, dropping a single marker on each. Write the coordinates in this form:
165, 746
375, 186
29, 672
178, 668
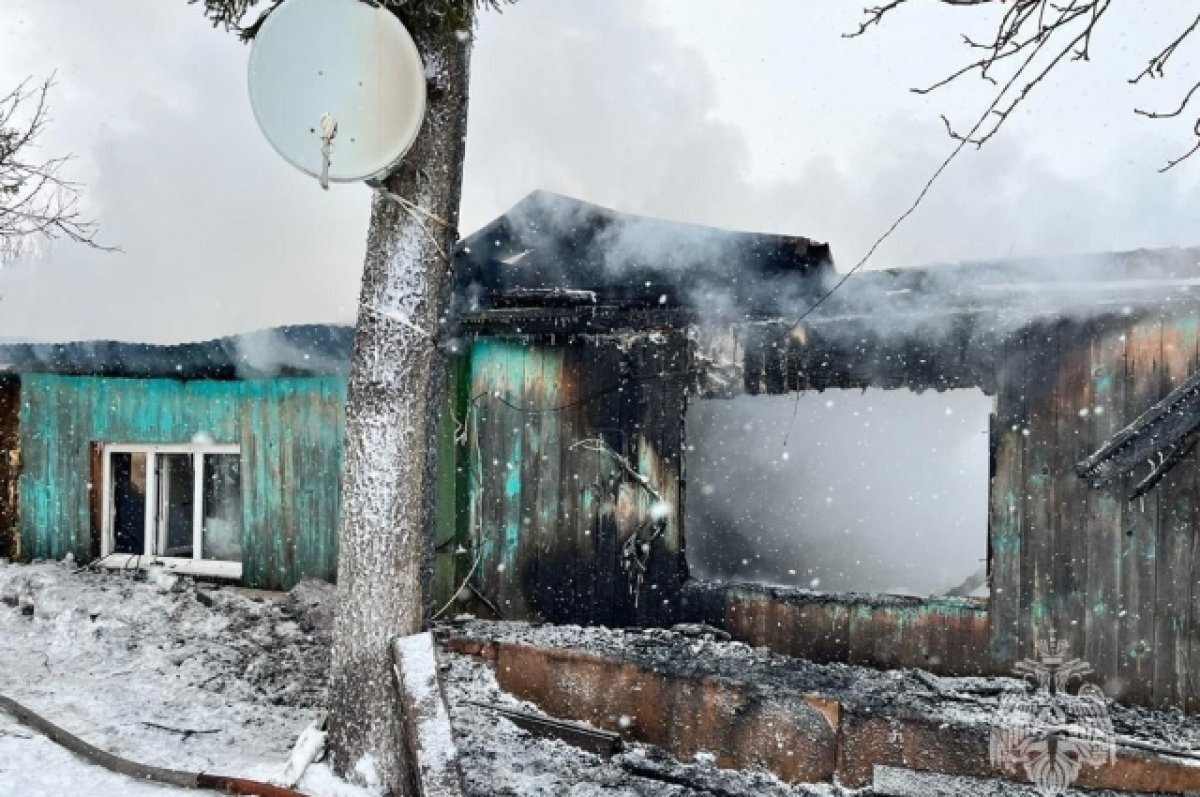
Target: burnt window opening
875, 491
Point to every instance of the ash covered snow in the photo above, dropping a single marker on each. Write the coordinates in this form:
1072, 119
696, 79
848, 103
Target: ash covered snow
170, 672
912, 693
501, 760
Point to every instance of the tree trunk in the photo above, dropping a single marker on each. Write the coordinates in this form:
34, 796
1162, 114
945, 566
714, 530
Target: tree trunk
395, 380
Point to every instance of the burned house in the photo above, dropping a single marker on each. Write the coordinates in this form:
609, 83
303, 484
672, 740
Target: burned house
636, 402
217, 459
650, 423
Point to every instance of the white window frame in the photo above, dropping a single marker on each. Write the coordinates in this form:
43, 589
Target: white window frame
193, 566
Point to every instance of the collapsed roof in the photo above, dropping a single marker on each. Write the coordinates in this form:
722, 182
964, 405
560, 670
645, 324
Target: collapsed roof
558, 263
554, 250
304, 350
551, 250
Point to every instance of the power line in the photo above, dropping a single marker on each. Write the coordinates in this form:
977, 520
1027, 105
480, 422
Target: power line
969, 138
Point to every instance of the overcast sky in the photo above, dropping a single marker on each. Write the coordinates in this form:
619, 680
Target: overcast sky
754, 115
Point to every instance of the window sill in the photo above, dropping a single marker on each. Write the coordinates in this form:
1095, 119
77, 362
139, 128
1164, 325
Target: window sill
188, 567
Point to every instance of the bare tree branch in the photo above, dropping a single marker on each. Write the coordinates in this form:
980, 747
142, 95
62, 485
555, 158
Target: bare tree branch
1158, 64
1170, 114
36, 200
1171, 164
1046, 33
1007, 98
1061, 30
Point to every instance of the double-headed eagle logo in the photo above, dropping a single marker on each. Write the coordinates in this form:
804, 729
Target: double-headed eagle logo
1047, 731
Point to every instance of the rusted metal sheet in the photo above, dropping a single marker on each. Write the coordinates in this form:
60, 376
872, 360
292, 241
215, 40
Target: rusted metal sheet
921, 744
869, 740
811, 737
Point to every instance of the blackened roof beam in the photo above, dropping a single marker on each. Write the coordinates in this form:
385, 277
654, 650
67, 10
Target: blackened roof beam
1161, 437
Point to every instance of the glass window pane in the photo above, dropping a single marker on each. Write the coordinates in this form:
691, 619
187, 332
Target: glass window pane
176, 493
222, 507
129, 502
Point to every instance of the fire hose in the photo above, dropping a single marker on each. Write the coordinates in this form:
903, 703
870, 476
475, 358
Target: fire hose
172, 777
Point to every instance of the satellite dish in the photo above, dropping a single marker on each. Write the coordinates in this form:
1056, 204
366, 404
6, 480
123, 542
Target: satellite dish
337, 87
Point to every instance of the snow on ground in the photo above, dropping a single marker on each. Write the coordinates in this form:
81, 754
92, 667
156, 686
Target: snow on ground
173, 673
158, 669
33, 765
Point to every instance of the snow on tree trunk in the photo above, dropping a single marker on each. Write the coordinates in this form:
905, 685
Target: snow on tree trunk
387, 485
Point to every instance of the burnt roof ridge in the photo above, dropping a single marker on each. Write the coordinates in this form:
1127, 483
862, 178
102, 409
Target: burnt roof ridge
549, 242
541, 198
288, 350
1167, 262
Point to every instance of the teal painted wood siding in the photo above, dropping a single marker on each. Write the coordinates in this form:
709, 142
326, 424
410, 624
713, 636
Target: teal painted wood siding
290, 431
549, 514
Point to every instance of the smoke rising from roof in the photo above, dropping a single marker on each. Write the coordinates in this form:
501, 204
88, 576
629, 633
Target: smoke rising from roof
622, 105
631, 117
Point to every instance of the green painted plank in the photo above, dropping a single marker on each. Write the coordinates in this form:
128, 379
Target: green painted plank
290, 431
550, 583
1007, 516
511, 456
447, 527
1106, 506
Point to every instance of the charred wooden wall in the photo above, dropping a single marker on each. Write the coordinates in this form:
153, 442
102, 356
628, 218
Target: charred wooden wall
10, 468
549, 506
1118, 580
1113, 577
777, 356
946, 635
